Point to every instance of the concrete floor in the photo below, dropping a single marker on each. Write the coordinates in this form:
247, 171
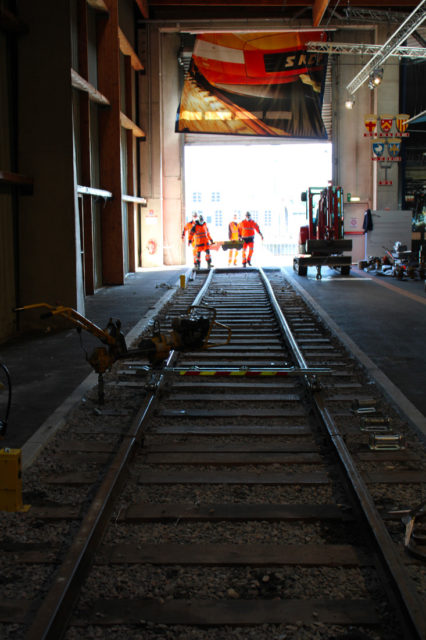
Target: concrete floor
383, 320
45, 369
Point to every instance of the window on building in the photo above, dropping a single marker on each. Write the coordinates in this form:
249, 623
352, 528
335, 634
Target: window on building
255, 215
268, 218
196, 196
215, 196
208, 219
218, 218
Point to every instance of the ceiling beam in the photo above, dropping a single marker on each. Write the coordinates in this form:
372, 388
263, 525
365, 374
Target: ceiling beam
318, 11
362, 49
206, 4
409, 25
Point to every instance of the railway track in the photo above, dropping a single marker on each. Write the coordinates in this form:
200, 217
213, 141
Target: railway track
252, 490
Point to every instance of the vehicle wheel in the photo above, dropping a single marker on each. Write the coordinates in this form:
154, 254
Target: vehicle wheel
302, 270
345, 270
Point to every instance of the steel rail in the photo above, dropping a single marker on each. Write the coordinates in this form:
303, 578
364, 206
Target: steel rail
52, 618
413, 606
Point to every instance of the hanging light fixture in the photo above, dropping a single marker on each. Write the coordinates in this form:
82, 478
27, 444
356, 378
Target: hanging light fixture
375, 78
349, 103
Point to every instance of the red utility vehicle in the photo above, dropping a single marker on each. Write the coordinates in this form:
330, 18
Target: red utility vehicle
321, 241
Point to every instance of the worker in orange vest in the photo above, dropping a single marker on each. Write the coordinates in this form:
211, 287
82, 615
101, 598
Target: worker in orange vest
187, 228
202, 240
234, 236
246, 230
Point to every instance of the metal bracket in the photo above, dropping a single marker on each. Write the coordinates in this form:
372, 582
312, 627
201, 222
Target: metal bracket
386, 441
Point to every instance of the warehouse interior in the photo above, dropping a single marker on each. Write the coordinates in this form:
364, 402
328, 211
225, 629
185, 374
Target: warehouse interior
92, 174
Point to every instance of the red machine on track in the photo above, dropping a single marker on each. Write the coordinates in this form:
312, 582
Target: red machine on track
321, 241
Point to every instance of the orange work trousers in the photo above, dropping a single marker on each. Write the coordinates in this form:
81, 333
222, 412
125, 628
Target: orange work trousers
248, 246
232, 256
198, 249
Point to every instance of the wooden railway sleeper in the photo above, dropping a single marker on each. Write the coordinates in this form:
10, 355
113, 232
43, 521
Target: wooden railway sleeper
411, 605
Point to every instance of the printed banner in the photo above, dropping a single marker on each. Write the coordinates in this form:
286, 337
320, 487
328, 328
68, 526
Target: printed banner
258, 84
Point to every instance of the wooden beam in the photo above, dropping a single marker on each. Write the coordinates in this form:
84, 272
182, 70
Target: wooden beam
143, 7
15, 179
318, 11
98, 5
127, 50
130, 161
86, 209
110, 146
128, 124
83, 85
207, 4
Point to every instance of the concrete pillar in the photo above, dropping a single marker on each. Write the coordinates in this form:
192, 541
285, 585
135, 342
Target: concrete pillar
161, 154
352, 165
151, 150
172, 153
387, 103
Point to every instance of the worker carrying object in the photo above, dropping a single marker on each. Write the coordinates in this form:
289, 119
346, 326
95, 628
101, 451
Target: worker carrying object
187, 229
202, 239
246, 230
234, 236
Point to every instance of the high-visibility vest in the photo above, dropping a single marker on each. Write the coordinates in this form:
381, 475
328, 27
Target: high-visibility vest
187, 228
200, 233
233, 231
247, 228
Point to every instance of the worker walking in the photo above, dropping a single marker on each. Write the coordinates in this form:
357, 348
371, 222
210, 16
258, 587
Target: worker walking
202, 240
187, 229
246, 230
234, 237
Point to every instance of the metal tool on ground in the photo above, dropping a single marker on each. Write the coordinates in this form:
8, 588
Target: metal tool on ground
321, 241
189, 332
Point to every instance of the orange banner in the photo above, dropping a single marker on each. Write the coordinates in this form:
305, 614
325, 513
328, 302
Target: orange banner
258, 84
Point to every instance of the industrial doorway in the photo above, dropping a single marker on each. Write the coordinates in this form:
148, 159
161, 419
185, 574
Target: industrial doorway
265, 179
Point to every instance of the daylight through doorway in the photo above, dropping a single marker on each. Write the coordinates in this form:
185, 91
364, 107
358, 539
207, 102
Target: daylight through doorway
224, 181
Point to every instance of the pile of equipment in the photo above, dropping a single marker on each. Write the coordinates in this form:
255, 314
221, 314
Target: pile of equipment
399, 263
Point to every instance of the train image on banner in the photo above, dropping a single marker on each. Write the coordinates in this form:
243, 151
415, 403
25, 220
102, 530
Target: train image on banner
259, 84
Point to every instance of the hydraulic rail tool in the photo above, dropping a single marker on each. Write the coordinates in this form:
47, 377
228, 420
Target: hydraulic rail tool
189, 332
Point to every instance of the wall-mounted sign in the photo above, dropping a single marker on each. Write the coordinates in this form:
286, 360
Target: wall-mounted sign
387, 151
151, 217
386, 126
